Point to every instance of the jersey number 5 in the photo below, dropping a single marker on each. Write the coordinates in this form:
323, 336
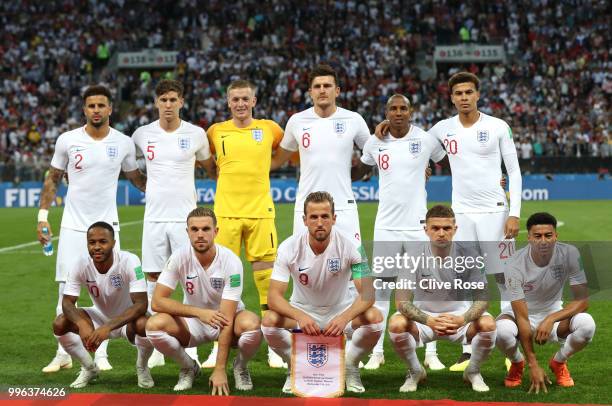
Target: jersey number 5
450, 146
150, 152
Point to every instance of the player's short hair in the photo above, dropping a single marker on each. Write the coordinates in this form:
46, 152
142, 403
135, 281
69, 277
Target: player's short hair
97, 90
463, 77
319, 197
203, 212
541, 218
104, 225
169, 85
322, 70
440, 211
397, 95
241, 84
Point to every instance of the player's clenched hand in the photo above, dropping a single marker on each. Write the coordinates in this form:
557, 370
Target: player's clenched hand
213, 318
309, 325
543, 331
381, 129
96, 337
538, 379
218, 381
336, 326
44, 238
511, 228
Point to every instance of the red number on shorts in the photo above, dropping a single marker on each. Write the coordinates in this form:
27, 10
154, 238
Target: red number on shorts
303, 279
150, 152
383, 162
305, 140
79, 159
506, 249
450, 146
189, 287
93, 289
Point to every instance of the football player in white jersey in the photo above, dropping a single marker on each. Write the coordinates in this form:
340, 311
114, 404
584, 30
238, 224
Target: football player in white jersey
321, 262
90, 155
402, 157
476, 145
324, 135
535, 278
171, 148
118, 290
212, 279
449, 302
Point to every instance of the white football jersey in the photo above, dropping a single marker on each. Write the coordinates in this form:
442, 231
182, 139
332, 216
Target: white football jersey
109, 292
93, 168
542, 287
401, 165
475, 155
204, 287
430, 295
319, 280
170, 159
326, 150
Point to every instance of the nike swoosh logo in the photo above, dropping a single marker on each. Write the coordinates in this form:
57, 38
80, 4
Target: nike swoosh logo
88, 281
191, 277
302, 269
450, 135
225, 136
79, 149
151, 142
382, 149
305, 128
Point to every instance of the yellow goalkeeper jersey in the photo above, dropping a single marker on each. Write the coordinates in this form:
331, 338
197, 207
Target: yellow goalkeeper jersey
243, 160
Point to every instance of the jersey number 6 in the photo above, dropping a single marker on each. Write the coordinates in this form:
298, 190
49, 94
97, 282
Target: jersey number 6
305, 140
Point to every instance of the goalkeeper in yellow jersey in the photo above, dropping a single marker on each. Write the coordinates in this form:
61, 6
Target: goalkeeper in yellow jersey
243, 204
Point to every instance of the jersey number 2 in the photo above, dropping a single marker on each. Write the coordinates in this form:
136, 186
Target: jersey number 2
78, 158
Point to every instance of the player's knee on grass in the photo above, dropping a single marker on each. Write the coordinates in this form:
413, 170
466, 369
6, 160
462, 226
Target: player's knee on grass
246, 321
398, 324
271, 319
582, 326
485, 324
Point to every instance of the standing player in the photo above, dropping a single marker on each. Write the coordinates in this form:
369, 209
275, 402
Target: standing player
90, 155
243, 204
535, 279
171, 148
324, 135
449, 303
211, 277
321, 262
117, 289
402, 157
476, 144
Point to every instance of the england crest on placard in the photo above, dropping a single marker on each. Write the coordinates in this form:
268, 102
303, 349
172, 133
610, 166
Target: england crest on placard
339, 126
257, 134
483, 136
317, 355
184, 143
333, 265
116, 281
217, 283
112, 151
415, 147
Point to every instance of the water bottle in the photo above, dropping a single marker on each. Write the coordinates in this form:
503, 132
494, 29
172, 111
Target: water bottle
48, 247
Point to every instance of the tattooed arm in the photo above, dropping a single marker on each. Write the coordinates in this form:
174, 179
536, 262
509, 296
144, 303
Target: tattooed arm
46, 197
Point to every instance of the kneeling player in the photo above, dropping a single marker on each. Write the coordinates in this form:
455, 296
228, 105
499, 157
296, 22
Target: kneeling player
118, 291
534, 280
443, 306
211, 277
320, 261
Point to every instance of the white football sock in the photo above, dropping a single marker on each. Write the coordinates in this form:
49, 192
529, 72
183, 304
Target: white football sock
507, 340
248, 344
383, 302
150, 289
466, 348
431, 348
74, 346
279, 339
405, 346
582, 327
482, 345
364, 339
145, 349
101, 350
170, 347
58, 311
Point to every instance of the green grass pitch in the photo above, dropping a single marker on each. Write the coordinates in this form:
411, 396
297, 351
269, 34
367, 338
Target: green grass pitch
30, 294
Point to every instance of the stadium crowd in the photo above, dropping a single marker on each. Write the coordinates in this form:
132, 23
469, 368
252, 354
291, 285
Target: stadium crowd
555, 89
